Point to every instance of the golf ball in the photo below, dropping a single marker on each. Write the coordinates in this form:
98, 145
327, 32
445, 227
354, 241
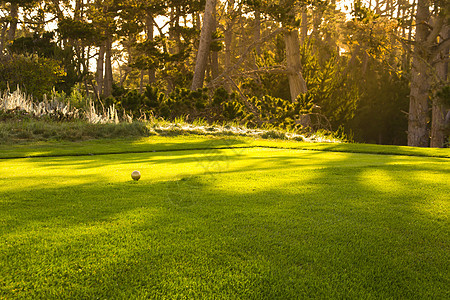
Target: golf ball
136, 175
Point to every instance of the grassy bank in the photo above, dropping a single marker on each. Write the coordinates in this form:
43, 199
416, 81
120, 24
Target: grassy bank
195, 142
23, 121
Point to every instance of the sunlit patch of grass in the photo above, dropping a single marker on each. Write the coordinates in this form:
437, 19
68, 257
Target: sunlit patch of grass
381, 180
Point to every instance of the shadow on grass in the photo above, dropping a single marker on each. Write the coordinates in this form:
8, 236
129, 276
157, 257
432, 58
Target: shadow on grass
118, 146
288, 225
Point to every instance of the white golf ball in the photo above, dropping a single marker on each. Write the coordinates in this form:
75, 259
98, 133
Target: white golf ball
136, 175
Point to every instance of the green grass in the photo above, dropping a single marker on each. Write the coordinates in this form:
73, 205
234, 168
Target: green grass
196, 142
238, 223
27, 130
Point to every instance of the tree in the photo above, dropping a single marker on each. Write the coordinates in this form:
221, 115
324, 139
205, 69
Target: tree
204, 46
428, 45
418, 106
11, 20
440, 101
36, 75
297, 84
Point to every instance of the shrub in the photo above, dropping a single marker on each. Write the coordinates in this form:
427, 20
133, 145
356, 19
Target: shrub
37, 75
273, 134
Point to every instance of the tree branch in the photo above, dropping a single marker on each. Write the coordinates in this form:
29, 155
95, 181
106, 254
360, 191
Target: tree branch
441, 46
268, 70
435, 30
244, 99
405, 42
227, 72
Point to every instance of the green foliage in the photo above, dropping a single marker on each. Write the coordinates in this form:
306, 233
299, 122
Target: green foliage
329, 87
274, 134
227, 107
185, 102
382, 85
342, 135
41, 45
274, 85
76, 98
272, 110
154, 96
75, 29
180, 102
361, 13
148, 55
216, 43
233, 111
221, 107
133, 100
36, 75
331, 92
16, 114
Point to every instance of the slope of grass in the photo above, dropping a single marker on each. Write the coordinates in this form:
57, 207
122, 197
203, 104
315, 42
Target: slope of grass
239, 223
192, 142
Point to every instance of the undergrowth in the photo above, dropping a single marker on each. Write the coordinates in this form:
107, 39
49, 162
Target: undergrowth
16, 131
23, 120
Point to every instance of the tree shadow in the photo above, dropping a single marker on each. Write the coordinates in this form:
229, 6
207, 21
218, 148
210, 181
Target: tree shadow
116, 146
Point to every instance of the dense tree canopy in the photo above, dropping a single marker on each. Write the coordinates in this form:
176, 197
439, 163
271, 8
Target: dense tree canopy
377, 71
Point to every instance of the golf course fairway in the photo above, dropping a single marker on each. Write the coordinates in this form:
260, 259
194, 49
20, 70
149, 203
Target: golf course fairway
223, 219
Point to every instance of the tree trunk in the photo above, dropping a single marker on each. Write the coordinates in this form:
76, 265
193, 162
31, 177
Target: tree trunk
228, 35
438, 107
297, 84
304, 25
150, 33
14, 14
410, 30
203, 48
141, 82
438, 124
214, 54
78, 10
197, 21
100, 63
59, 12
228, 39
174, 31
108, 82
214, 64
3, 37
257, 32
418, 135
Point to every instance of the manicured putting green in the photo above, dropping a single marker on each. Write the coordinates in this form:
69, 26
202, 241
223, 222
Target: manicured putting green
253, 223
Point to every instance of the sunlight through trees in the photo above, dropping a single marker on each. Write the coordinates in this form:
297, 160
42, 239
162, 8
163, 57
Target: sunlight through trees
377, 70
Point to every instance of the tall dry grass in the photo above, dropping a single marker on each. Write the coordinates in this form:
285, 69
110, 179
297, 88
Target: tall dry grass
19, 101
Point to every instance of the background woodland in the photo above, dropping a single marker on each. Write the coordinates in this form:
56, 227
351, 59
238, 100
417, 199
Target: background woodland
376, 71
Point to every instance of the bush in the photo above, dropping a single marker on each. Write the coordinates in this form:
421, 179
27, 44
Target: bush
220, 107
273, 134
36, 75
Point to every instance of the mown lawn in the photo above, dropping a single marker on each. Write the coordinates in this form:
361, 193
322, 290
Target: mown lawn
238, 223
